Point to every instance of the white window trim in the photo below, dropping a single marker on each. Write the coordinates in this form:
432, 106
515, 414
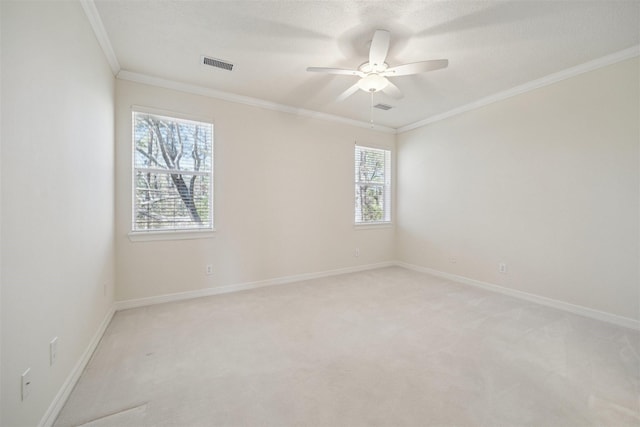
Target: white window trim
154, 236
378, 224
176, 234
372, 225
170, 113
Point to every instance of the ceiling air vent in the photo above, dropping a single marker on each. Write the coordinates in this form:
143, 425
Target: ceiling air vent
383, 107
218, 63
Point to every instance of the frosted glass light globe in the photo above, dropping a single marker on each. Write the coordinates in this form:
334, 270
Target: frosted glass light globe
372, 83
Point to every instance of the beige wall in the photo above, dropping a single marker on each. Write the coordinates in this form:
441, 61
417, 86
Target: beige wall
57, 198
283, 199
546, 182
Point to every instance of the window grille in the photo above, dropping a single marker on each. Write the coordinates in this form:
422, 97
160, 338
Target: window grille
372, 185
172, 173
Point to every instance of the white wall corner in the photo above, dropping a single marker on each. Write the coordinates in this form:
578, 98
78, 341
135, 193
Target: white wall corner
549, 302
67, 387
93, 16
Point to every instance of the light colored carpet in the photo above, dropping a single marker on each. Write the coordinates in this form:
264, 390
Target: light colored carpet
387, 347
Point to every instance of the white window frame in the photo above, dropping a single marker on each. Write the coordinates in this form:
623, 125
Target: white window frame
387, 220
171, 233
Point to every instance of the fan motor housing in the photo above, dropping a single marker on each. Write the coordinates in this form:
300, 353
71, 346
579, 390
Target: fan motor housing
368, 68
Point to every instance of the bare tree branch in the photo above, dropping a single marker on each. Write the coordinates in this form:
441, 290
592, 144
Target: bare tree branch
171, 144
148, 156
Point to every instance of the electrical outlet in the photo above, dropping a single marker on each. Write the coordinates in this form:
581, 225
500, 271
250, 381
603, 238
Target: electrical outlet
356, 252
26, 384
53, 351
453, 260
502, 268
209, 269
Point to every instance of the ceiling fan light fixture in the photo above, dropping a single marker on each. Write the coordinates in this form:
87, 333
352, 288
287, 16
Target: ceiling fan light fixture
372, 83
373, 73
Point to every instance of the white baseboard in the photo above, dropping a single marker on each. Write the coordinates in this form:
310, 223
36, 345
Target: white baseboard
61, 398
63, 394
549, 302
141, 302
56, 406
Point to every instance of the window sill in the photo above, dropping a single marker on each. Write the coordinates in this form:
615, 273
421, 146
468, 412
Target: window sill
151, 236
372, 225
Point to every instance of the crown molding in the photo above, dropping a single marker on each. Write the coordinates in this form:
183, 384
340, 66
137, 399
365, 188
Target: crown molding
93, 16
534, 84
96, 23
246, 100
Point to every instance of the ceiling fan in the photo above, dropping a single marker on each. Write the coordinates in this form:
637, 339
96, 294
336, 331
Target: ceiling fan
373, 74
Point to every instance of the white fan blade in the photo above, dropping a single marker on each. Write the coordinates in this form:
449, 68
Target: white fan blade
379, 48
347, 93
393, 91
340, 71
416, 67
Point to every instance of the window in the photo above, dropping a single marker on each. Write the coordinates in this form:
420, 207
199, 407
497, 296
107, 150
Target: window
373, 185
172, 174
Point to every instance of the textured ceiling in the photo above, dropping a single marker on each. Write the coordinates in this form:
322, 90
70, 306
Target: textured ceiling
492, 46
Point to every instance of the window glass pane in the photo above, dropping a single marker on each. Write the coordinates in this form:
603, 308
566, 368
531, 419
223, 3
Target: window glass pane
370, 166
173, 163
166, 143
372, 185
161, 206
369, 203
